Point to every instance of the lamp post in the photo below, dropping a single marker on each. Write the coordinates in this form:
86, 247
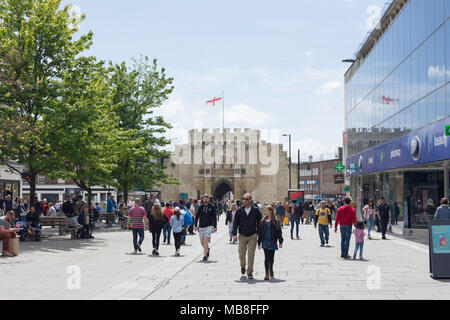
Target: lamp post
310, 169
290, 160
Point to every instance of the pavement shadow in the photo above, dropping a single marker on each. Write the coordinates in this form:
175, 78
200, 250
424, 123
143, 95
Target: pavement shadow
206, 262
58, 245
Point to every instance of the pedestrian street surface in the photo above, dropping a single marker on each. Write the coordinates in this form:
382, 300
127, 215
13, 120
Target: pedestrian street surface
103, 268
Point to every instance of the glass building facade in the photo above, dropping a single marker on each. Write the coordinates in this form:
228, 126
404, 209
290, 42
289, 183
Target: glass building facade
400, 92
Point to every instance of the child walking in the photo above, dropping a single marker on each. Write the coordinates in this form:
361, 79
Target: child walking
359, 236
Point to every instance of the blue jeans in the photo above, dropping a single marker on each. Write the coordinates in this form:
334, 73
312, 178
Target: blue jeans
346, 233
324, 230
137, 232
369, 224
297, 221
360, 246
166, 231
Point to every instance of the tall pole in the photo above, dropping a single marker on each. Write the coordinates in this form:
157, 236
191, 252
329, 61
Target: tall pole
298, 170
290, 163
223, 111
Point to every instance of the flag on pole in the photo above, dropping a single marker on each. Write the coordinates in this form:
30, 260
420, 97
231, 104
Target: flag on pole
214, 101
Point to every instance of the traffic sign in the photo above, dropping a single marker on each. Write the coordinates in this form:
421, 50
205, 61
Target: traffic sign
339, 167
347, 189
339, 179
447, 131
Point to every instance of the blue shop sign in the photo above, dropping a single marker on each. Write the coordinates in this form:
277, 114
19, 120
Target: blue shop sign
425, 145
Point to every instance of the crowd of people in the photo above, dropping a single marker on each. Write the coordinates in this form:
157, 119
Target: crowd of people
250, 224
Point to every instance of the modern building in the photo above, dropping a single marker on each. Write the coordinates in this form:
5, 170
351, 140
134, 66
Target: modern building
397, 105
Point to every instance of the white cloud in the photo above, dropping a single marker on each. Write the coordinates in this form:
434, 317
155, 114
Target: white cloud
328, 87
245, 116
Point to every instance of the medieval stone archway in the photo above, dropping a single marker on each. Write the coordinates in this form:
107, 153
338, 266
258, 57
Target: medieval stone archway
222, 189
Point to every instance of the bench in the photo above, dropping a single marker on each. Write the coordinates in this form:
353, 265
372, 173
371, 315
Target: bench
60, 222
108, 217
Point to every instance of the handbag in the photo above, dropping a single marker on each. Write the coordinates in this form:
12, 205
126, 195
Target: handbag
14, 246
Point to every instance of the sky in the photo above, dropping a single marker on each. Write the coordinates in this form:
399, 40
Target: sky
279, 63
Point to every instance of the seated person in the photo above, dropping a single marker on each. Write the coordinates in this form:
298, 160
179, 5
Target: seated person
97, 206
72, 223
6, 232
122, 213
85, 220
93, 212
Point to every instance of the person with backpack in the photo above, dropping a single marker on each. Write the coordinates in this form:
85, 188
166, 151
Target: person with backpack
324, 218
156, 221
188, 221
177, 223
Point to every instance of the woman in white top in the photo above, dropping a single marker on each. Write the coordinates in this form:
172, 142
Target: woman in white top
369, 212
230, 220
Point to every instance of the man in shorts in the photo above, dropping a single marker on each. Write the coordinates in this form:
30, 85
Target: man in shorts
206, 220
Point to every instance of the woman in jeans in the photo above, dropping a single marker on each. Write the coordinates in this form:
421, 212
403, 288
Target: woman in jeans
269, 232
156, 221
369, 212
177, 223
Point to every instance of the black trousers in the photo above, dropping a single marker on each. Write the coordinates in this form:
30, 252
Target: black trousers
156, 235
384, 223
269, 257
177, 237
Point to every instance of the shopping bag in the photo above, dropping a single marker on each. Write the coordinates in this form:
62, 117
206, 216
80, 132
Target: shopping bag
14, 246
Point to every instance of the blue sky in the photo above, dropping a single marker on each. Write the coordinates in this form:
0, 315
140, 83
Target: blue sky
278, 62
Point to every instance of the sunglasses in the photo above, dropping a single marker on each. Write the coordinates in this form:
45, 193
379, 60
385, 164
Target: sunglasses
246, 199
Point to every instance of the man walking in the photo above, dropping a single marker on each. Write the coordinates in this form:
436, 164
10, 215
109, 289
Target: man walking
247, 220
137, 214
323, 217
206, 220
384, 212
295, 219
346, 217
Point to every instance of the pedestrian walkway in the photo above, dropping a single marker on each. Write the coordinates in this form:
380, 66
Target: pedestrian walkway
303, 270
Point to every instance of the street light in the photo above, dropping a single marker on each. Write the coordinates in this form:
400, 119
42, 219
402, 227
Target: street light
310, 170
290, 160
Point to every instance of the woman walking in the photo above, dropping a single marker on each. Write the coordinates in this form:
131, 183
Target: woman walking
177, 223
369, 212
269, 234
230, 219
156, 221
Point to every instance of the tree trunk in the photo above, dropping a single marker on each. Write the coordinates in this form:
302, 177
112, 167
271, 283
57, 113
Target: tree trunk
32, 183
89, 191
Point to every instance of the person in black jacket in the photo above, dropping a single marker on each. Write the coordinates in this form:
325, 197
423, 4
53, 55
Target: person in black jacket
156, 221
68, 207
247, 220
269, 234
206, 215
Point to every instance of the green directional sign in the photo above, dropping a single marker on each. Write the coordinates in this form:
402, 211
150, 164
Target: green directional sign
347, 189
447, 131
339, 167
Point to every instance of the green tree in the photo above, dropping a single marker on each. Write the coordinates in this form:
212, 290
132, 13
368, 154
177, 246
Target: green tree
89, 130
136, 93
37, 49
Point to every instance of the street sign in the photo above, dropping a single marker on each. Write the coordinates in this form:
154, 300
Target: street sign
339, 179
347, 189
339, 167
447, 131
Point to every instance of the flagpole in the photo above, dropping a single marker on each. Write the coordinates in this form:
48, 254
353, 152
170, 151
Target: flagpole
223, 112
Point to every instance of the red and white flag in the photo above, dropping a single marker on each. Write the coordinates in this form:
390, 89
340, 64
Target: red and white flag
213, 102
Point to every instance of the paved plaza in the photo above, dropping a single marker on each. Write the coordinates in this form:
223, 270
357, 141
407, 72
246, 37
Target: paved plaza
394, 269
